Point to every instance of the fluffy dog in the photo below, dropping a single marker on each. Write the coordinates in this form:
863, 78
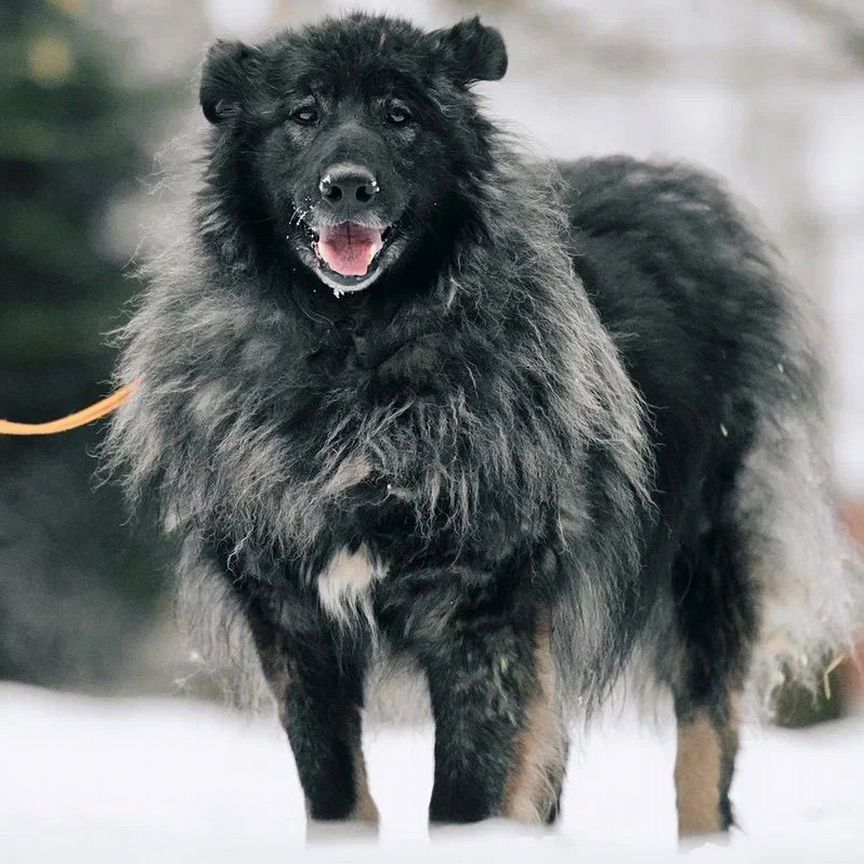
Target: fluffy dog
405, 392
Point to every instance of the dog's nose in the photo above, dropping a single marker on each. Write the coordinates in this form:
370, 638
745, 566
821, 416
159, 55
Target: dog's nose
348, 184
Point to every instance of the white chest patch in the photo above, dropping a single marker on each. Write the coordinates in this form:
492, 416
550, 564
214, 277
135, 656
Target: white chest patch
343, 587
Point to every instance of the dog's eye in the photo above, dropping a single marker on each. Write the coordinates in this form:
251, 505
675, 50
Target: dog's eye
398, 114
305, 115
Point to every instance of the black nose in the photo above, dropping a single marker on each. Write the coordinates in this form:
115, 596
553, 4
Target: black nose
348, 184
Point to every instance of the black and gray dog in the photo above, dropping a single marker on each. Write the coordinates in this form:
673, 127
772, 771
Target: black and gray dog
406, 393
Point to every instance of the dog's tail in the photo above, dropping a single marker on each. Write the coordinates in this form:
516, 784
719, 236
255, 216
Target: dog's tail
810, 573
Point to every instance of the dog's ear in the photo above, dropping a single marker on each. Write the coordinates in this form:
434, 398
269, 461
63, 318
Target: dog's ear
471, 51
225, 79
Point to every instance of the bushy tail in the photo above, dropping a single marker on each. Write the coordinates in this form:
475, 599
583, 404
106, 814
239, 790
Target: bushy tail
811, 575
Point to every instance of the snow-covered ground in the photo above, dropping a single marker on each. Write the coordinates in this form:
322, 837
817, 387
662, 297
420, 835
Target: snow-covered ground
129, 780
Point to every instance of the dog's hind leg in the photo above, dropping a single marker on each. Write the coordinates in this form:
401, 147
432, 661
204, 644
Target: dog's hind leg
716, 612
705, 761
317, 679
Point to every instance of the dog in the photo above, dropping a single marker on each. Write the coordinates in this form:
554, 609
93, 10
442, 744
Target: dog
407, 392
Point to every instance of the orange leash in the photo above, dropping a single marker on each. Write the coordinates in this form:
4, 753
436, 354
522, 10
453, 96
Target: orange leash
99, 409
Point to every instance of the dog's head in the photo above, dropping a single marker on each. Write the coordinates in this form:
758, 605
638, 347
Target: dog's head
349, 141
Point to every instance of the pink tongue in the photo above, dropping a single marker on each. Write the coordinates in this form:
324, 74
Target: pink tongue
348, 248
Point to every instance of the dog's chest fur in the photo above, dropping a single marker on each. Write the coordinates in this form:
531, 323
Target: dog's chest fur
344, 586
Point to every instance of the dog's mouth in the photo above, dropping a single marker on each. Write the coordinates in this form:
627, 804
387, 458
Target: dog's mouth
348, 254
348, 248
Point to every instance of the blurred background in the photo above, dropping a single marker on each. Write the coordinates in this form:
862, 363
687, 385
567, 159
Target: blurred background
768, 93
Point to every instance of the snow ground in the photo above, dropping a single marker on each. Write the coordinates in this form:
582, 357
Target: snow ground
165, 780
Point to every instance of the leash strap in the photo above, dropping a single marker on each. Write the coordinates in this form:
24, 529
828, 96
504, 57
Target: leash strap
97, 410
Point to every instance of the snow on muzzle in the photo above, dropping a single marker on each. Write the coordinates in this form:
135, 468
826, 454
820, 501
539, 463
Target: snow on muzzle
348, 248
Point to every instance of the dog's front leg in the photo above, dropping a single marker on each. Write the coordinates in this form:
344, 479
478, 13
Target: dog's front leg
500, 743
317, 676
